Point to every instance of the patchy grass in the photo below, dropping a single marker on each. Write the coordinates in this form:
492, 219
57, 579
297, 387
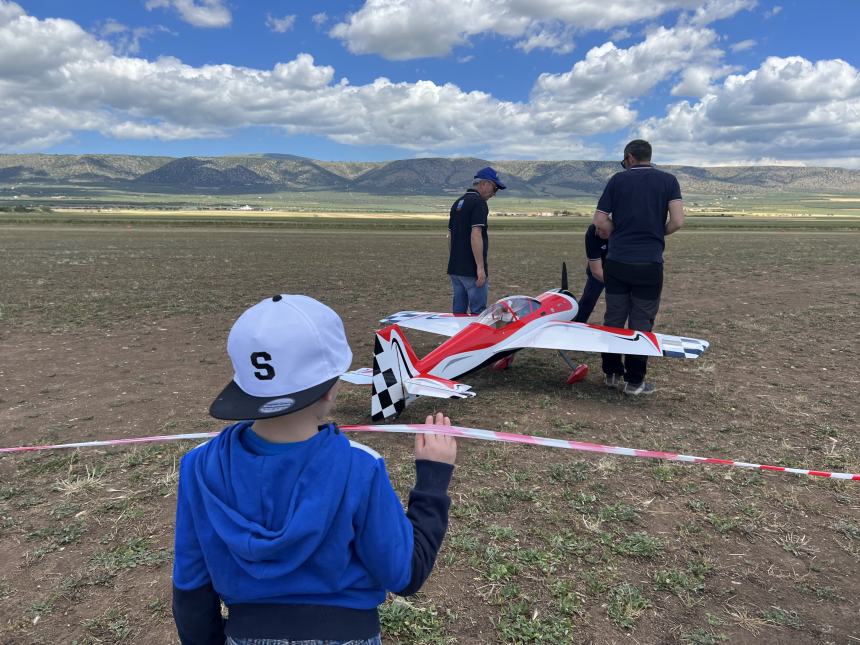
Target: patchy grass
782, 617
132, 553
522, 622
686, 585
79, 485
53, 538
701, 636
639, 545
626, 605
404, 621
112, 626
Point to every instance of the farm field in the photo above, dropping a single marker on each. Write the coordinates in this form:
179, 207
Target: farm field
120, 331
399, 221
89, 199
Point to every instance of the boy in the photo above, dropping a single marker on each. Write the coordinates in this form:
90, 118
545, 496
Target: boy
297, 529
596, 247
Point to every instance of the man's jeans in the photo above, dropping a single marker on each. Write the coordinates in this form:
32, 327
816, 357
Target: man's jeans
468, 298
590, 295
376, 640
632, 298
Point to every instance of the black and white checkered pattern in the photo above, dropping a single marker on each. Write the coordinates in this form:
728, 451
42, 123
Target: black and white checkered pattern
388, 398
693, 347
677, 347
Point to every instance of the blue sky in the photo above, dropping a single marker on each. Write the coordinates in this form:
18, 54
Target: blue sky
708, 82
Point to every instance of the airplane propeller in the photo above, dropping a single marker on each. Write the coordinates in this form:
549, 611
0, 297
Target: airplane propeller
564, 276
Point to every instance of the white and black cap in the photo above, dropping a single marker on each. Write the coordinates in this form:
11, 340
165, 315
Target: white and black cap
287, 352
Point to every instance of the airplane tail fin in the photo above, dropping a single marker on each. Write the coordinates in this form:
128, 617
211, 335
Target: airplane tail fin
393, 363
397, 380
564, 284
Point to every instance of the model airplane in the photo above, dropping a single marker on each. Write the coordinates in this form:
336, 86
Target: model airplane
513, 323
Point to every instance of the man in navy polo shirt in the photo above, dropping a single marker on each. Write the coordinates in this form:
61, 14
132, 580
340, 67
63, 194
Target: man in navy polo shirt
467, 243
633, 212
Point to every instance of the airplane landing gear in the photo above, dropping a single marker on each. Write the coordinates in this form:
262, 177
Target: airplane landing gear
578, 370
503, 363
578, 374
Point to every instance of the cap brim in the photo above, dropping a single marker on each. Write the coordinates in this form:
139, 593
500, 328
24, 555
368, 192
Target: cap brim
234, 404
500, 185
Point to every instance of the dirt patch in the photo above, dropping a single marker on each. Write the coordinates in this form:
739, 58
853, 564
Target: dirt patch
121, 333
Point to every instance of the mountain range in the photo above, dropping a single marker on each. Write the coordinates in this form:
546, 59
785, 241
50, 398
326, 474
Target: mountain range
262, 173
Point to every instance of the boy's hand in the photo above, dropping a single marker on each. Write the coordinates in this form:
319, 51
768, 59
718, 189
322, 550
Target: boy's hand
436, 447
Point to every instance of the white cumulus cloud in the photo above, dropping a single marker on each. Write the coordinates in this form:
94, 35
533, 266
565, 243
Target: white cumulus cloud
57, 80
742, 45
558, 40
280, 25
126, 39
788, 108
404, 29
616, 75
713, 10
208, 13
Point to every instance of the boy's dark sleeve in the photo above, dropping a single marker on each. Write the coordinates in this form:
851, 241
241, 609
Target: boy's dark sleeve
197, 613
428, 514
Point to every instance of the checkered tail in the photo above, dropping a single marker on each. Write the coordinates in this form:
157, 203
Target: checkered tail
389, 397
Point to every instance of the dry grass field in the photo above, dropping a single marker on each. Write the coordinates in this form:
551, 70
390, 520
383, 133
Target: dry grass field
120, 332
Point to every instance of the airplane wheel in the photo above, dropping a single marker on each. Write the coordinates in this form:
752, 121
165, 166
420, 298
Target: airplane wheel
503, 363
578, 374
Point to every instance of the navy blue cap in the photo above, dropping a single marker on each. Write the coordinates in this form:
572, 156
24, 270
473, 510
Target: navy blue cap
490, 175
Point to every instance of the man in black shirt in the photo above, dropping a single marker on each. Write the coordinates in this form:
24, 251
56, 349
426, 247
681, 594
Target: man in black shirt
467, 243
596, 246
633, 212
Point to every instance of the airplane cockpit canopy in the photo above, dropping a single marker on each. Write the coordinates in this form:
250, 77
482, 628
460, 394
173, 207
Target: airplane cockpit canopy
507, 310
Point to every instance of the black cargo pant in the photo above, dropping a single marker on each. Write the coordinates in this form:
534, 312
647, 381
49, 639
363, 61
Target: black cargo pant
632, 300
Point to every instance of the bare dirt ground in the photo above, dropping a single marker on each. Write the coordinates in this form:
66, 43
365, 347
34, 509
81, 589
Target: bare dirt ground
120, 332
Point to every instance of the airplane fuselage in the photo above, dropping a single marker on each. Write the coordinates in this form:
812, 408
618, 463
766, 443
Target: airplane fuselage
487, 340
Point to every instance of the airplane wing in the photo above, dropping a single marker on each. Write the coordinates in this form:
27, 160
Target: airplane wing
435, 386
582, 337
361, 376
435, 323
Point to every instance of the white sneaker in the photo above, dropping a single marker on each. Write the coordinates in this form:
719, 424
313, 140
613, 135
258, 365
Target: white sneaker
637, 389
613, 380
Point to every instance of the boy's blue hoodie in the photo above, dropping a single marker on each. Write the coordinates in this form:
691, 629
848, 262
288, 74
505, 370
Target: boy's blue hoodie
297, 538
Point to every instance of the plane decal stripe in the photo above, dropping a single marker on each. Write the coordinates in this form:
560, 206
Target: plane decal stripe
630, 334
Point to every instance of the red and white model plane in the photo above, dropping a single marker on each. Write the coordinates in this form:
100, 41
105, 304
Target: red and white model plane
513, 323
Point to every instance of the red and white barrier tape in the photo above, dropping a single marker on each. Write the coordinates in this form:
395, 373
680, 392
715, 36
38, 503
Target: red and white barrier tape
473, 433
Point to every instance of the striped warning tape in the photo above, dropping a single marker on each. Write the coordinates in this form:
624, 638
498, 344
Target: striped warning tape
472, 433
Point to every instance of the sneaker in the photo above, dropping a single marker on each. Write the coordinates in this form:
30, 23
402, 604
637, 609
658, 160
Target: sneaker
637, 389
613, 380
